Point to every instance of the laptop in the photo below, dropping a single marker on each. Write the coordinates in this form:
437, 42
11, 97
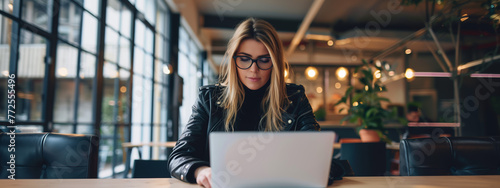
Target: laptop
270, 159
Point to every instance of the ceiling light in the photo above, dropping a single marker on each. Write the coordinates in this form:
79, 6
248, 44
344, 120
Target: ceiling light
408, 51
377, 74
338, 85
342, 73
378, 63
123, 89
311, 73
409, 73
330, 42
319, 89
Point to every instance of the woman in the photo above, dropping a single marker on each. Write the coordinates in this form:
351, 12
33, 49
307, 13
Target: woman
253, 96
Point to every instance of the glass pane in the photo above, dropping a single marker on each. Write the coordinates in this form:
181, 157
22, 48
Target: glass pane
113, 14
108, 101
183, 40
63, 128
92, 6
87, 69
139, 33
150, 11
160, 107
148, 66
111, 46
66, 67
147, 96
137, 99
162, 18
5, 31
89, 33
31, 73
85, 129
138, 61
159, 53
123, 97
7, 6
193, 53
69, 22
158, 70
36, 12
126, 22
125, 48
106, 150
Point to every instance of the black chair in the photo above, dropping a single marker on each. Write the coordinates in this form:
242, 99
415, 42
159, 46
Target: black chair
49, 156
150, 169
366, 159
450, 156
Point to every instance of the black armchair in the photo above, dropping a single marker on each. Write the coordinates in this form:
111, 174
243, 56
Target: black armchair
450, 156
49, 156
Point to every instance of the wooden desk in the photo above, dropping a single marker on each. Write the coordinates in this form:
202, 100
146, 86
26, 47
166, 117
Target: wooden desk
347, 182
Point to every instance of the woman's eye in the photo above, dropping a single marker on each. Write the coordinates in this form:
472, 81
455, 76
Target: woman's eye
265, 59
244, 58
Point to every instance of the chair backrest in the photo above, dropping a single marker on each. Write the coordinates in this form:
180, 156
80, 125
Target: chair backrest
450, 156
366, 159
49, 155
150, 169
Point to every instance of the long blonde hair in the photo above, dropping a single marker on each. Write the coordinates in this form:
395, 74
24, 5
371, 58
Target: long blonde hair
233, 94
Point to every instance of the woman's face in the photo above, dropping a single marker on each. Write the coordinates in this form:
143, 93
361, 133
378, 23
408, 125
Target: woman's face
253, 77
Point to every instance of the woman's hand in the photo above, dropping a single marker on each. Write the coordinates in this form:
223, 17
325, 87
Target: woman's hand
203, 176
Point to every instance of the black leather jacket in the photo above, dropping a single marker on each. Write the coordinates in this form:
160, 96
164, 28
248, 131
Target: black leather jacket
192, 148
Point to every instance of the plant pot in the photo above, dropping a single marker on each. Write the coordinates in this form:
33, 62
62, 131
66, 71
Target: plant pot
369, 135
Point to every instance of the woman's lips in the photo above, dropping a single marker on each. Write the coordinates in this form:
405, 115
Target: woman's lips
253, 79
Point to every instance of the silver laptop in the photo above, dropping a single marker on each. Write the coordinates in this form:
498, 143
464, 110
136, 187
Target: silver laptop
266, 159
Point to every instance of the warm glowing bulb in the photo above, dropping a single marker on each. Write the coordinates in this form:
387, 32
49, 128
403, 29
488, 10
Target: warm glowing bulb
377, 74
338, 85
366, 88
355, 104
319, 89
330, 42
378, 63
286, 73
341, 73
311, 73
123, 89
11, 7
409, 74
408, 51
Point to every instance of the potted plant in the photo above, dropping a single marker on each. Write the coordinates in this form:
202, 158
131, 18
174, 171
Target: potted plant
365, 104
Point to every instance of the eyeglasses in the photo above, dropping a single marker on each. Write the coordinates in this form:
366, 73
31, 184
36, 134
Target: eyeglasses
245, 62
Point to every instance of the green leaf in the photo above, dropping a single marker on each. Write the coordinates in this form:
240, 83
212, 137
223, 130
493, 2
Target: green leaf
371, 111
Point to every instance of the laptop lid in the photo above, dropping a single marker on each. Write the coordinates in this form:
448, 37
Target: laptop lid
270, 159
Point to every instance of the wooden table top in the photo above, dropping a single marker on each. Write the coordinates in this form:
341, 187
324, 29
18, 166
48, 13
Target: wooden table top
347, 182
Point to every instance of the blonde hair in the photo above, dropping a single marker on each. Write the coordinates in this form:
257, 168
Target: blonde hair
233, 94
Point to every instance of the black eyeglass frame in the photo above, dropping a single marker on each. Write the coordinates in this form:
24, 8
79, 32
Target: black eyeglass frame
253, 61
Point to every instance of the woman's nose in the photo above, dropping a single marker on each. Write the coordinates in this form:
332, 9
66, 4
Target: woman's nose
254, 67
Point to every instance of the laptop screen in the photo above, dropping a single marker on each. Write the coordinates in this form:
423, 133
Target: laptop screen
263, 159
